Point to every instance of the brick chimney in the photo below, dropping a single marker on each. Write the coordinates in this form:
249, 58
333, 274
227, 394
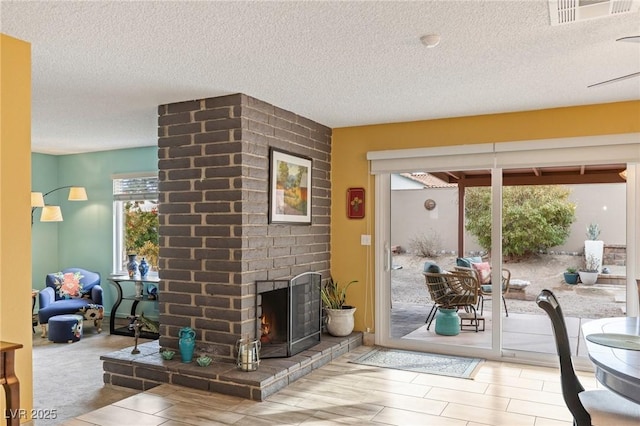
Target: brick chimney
215, 235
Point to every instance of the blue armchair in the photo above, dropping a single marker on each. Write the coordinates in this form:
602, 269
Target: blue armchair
71, 291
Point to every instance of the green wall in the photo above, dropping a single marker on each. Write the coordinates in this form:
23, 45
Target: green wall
44, 236
85, 238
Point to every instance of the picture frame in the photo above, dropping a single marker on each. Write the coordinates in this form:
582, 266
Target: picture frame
355, 203
290, 188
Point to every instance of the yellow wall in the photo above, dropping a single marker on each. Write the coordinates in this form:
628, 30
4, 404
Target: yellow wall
349, 259
15, 226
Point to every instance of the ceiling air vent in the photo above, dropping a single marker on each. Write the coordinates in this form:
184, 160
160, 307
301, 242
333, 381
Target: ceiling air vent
567, 11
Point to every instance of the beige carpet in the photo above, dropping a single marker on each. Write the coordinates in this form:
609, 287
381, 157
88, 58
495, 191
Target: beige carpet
67, 377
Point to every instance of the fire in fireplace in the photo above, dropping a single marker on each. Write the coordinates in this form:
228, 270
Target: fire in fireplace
288, 314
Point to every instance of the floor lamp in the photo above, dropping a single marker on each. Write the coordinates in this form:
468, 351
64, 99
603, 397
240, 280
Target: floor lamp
53, 213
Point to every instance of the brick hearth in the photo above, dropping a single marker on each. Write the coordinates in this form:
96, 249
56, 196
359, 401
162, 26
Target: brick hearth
148, 369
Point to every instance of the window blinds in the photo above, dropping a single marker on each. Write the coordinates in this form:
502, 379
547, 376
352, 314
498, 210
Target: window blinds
135, 188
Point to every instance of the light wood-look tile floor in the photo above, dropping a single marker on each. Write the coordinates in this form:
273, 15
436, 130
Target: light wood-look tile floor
344, 393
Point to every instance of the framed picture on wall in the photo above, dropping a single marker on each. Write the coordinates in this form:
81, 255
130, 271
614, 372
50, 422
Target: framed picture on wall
289, 188
355, 203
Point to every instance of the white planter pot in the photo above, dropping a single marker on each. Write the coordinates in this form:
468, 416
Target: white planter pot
340, 321
588, 278
594, 248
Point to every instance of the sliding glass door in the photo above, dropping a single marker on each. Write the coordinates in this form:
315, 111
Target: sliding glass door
425, 232
421, 222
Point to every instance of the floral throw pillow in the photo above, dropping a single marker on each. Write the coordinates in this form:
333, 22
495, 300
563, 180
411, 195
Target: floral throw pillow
68, 285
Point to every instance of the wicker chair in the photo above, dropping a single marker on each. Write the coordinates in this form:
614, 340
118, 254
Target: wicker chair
485, 290
452, 290
438, 291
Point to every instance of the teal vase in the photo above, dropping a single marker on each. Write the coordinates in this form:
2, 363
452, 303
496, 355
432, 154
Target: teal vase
447, 322
187, 343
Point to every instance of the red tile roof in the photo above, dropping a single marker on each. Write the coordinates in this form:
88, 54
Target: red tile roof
428, 180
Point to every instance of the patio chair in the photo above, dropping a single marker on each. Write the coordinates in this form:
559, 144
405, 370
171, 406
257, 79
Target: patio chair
452, 290
594, 407
485, 290
437, 290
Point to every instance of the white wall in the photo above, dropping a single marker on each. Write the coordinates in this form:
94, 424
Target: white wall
603, 204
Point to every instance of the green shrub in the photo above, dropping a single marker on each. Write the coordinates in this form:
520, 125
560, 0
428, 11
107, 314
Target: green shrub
141, 231
534, 218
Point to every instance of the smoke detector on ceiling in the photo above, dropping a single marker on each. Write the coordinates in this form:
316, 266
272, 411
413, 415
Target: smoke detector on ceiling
430, 40
568, 11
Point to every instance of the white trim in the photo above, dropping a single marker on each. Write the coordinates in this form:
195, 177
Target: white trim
382, 250
617, 148
467, 157
431, 152
118, 241
622, 148
496, 260
575, 142
633, 239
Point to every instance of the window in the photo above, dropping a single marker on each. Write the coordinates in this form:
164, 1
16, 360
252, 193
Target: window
135, 219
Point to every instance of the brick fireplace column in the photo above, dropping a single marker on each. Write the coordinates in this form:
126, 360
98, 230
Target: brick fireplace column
215, 237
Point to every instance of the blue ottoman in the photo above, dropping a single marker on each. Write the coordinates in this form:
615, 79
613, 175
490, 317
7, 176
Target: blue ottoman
65, 328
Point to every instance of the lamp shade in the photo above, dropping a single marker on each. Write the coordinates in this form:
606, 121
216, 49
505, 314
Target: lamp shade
77, 193
37, 200
51, 214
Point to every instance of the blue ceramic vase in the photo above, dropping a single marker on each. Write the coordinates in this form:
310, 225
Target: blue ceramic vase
187, 343
132, 265
143, 268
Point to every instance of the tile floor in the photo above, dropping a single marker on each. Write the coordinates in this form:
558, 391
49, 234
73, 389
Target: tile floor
345, 393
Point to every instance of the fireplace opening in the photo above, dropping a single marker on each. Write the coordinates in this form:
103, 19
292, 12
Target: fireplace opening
273, 321
288, 315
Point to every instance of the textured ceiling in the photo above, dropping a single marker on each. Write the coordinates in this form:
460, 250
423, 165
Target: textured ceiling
100, 69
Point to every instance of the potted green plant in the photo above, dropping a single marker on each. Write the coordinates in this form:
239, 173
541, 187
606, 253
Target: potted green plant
339, 315
589, 274
571, 275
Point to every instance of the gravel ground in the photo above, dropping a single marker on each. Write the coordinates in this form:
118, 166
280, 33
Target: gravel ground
542, 271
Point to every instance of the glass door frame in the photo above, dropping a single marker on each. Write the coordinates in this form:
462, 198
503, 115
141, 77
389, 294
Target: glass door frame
597, 149
383, 276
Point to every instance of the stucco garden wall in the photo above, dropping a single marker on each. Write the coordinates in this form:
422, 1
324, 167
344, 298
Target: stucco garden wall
603, 204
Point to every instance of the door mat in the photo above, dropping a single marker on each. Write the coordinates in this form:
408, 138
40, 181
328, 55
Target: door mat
421, 362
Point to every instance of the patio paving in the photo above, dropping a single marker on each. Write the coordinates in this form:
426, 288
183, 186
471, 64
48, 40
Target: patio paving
521, 331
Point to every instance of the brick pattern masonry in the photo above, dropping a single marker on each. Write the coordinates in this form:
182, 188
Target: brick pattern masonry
147, 369
215, 235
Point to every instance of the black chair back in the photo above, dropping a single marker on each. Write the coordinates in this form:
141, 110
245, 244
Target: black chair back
571, 386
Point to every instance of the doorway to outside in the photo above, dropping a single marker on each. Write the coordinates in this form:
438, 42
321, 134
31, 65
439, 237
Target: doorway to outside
422, 232
399, 326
